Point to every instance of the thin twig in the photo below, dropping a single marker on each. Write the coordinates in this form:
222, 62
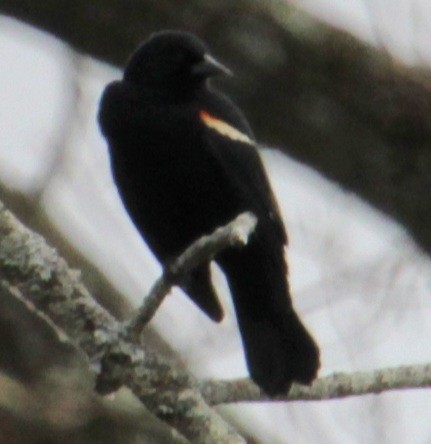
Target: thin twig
236, 233
335, 386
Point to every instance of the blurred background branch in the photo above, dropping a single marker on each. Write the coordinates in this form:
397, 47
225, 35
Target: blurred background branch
339, 105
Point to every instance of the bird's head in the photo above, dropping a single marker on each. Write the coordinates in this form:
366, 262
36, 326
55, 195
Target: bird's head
172, 61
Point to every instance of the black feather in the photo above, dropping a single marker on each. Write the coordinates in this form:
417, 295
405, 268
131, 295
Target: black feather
181, 176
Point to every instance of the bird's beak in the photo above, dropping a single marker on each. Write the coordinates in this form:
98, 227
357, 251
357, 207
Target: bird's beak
209, 67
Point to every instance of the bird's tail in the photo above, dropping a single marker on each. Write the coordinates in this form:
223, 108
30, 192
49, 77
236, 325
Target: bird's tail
278, 348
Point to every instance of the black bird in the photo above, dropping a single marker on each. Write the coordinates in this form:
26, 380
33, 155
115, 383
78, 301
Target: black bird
185, 161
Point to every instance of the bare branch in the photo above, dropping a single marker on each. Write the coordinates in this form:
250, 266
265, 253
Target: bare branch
335, 386
41, 276
35, 270
236, 233
34, 216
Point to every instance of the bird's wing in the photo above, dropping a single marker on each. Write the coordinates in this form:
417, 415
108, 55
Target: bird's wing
237, 154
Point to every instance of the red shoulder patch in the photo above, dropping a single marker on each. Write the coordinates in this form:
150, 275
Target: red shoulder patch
223, 128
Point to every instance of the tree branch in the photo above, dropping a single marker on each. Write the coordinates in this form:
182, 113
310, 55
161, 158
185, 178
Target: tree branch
335, 386
234, 234
34, 269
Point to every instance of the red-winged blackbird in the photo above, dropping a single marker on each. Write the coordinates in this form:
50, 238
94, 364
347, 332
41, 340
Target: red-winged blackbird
185, 162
